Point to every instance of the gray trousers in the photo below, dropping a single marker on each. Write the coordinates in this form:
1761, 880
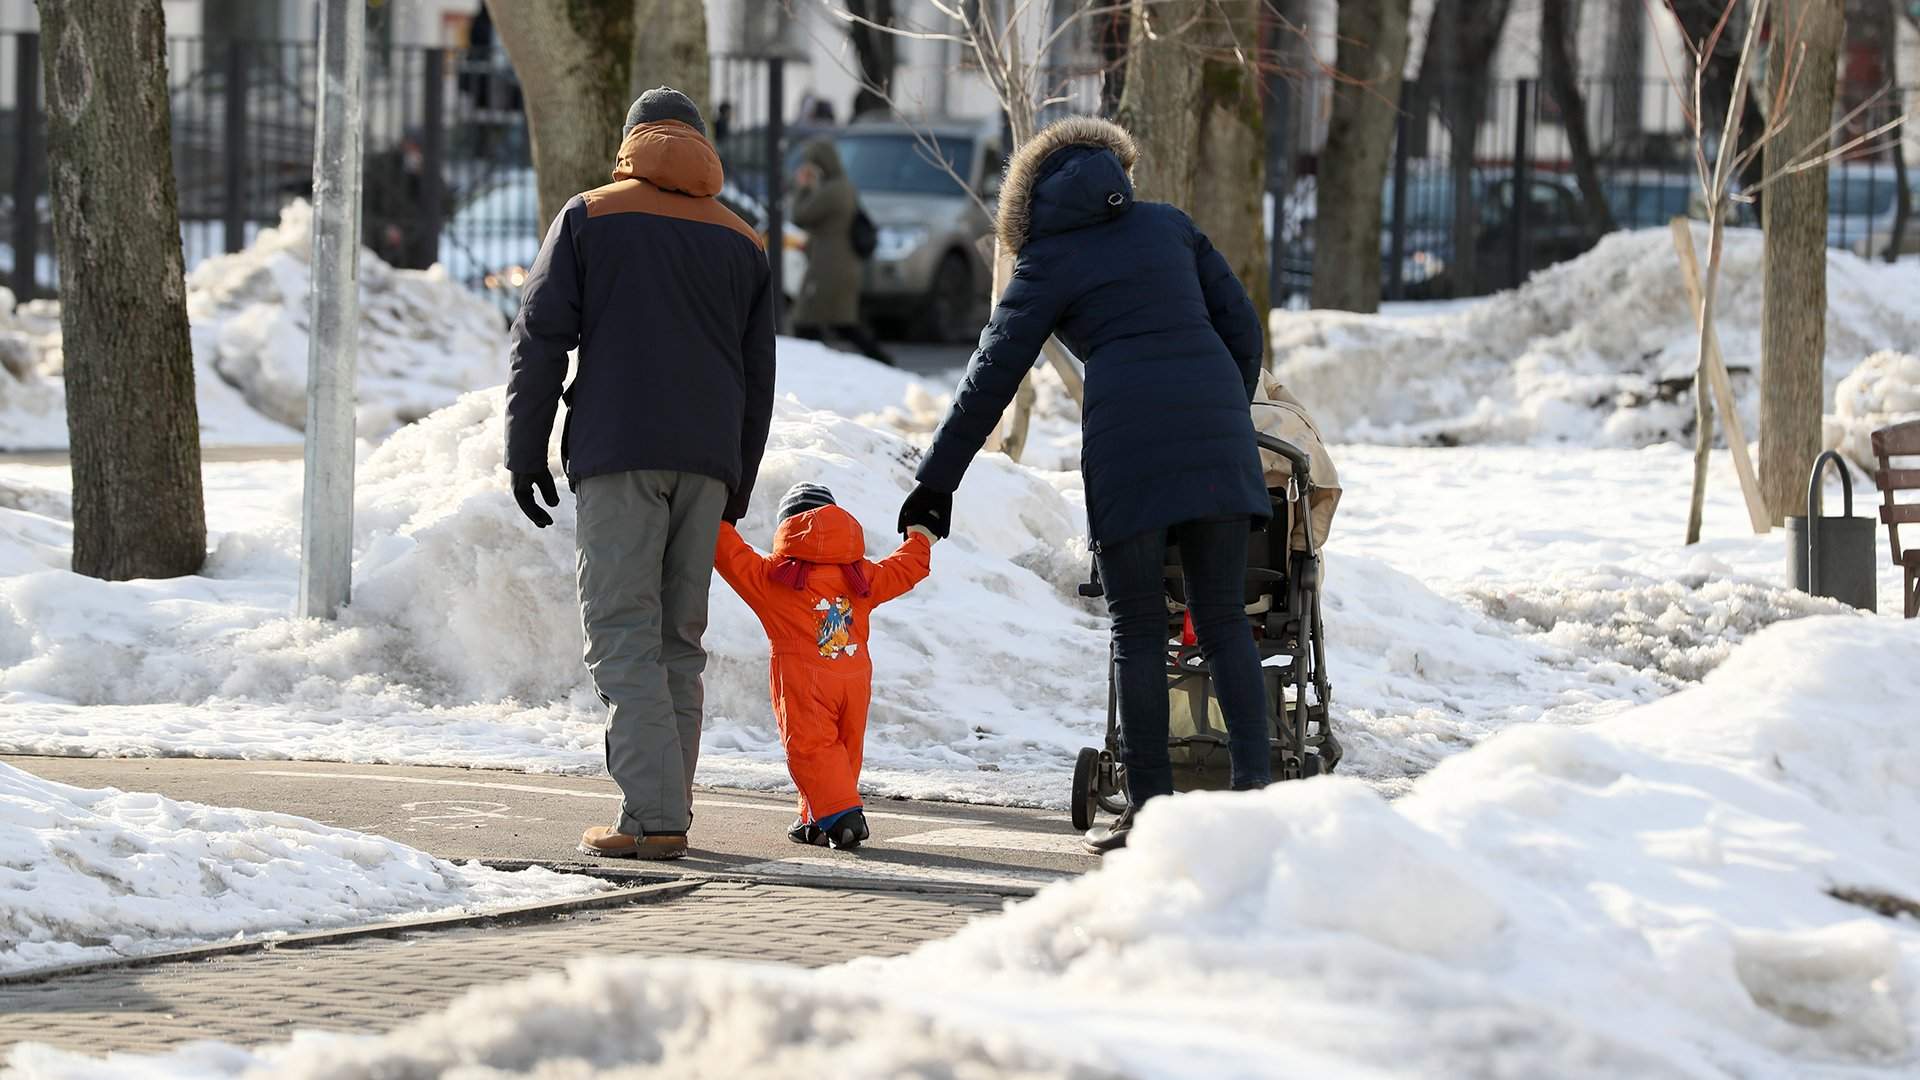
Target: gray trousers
645, 545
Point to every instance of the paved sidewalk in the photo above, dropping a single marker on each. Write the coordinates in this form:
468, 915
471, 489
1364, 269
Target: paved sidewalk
367, 986
492, 814
930, 868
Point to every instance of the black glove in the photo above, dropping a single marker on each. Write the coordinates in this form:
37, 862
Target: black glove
931, 510
523, 485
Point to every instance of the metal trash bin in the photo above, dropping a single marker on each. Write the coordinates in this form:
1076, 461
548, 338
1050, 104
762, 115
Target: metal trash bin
1833, 556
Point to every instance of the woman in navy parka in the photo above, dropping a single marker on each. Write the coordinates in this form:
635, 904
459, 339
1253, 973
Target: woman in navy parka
1173, 349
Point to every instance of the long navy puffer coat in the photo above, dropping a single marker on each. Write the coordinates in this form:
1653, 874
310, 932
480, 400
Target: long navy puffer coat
1171, 343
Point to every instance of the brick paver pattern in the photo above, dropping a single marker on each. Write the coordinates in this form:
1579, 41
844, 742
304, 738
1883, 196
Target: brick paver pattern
370, 985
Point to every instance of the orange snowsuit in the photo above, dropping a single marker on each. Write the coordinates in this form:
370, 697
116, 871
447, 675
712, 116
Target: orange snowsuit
813, 596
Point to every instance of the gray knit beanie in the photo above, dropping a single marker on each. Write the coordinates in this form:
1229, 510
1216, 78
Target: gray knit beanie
801, 498
663, 103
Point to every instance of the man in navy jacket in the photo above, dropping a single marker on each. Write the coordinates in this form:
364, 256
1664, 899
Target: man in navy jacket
666, 295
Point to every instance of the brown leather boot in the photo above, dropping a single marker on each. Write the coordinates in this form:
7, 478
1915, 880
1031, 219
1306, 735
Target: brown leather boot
612, 844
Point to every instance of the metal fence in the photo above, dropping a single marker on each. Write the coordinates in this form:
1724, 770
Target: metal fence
1644, 163
448, 169
449, 177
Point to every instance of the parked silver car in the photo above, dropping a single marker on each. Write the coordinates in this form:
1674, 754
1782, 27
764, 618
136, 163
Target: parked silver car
930, 189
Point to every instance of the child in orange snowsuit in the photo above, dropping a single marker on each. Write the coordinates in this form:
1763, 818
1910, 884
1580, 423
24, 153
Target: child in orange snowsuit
813, 595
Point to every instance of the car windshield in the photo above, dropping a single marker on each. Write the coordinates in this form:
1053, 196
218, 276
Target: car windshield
1859, 194
903, 164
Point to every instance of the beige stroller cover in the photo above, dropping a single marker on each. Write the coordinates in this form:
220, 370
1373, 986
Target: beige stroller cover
1278, 413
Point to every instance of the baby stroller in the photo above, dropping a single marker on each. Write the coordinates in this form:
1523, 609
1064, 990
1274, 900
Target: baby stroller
1283, 613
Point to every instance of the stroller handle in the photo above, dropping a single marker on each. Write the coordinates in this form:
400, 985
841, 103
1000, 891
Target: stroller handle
1302, 465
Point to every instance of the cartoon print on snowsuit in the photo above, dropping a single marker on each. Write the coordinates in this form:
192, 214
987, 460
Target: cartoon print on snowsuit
836, 628
814, 596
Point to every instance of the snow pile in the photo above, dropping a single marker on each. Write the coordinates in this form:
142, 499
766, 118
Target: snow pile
1884, 390
1705, 885
33, 411
425, 339
90, 875
1599, 350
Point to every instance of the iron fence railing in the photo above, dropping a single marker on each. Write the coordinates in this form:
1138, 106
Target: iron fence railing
449, 177
448, 167
1645, 167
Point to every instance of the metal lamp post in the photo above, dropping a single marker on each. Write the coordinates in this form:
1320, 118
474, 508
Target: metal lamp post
326, 519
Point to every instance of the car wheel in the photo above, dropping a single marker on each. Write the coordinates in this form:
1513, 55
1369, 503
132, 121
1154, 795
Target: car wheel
948, 315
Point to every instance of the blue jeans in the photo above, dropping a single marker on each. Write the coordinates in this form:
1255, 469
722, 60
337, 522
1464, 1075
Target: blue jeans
1213, 556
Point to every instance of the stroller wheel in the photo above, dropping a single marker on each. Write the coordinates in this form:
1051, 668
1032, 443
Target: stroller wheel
1310, 765
1086, 788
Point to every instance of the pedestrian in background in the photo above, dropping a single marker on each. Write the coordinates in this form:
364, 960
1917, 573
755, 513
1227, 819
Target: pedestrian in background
666, 295
825, 204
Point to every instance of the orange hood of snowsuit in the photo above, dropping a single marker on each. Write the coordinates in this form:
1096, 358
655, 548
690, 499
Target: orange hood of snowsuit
813, 596
830, 549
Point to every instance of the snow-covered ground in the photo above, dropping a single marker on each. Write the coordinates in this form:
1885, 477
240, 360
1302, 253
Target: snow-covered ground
1597, 351
1469, 589
1707, 886
424, 340
91, 875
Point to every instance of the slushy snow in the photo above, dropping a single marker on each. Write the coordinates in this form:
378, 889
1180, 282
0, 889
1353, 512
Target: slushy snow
1703, 886
1596, 351
98, 874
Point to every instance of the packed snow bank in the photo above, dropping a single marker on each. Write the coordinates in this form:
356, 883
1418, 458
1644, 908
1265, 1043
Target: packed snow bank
1598, 351
90, 875
1884, 390
424, 340
1657, 895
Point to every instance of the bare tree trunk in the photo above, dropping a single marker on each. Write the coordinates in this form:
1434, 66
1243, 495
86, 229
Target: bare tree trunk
1372, 53
1459, 55
669, 49
1112, 30
1161, 104
1192, 102
1793, 340
575, 62
1888, 31
132, 421
1230, 167
876, 53
1563, 77
1627, 67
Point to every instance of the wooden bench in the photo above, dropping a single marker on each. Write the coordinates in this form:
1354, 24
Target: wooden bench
1900, 440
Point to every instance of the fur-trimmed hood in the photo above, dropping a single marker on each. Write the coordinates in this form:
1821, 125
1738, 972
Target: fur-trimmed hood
1034, 163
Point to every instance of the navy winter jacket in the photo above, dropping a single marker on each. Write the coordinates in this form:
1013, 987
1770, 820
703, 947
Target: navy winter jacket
1171, 343
665, 293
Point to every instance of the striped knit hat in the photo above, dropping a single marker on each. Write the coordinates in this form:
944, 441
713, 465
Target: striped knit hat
801, 498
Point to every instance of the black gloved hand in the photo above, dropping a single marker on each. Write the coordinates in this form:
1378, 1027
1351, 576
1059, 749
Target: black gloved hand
931, 510
523, 485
